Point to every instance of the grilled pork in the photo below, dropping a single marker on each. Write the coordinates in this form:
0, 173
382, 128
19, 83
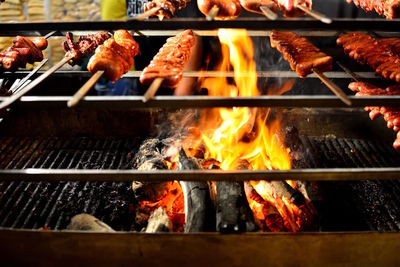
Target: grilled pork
388, 8
115, 56
390, 114
85, 46
169, 63
167, 7
228, 9
300, 53
382, 55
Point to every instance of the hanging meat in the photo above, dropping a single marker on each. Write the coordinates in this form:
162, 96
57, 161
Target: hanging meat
167, 7
83, 47
227, 9
302, 55
388, 8
115, 56
22, 51
169, 63
288, 7
382, 55
390, 114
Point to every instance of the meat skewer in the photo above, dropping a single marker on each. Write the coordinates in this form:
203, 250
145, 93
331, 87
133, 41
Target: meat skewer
389, 8
75, 52
164, 8
267, 8
22, 51
166, 68
382, 55
112, 59
220, 9
305, 58
390, 114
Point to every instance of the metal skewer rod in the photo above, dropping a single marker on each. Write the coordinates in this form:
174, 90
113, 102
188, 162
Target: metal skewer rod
20, 83
213, 13
333, 87
33, 72
82, 92
151, 92
354, 76
47, 36
146, 14
268, 13
33, 84
315, 14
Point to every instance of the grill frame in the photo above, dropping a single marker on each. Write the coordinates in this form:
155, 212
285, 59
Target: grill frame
46, 247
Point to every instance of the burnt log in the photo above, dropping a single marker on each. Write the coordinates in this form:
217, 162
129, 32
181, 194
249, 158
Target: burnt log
283, 189
199, 212
149, 158
158, 222
87, 222
233, 211
271, 220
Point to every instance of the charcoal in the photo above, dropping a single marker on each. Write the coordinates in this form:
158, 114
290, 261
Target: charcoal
199, 214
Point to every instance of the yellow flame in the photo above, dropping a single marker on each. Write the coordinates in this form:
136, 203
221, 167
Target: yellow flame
231, 138
231, 135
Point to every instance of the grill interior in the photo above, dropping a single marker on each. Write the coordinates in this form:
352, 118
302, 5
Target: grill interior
345, 206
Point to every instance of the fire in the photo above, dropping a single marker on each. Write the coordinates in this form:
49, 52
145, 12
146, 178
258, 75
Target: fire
172, 202
234, 135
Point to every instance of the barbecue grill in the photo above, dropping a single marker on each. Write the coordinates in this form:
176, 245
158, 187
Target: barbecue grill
53, 168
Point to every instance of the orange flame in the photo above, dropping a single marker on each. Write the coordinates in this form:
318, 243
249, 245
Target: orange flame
232, 135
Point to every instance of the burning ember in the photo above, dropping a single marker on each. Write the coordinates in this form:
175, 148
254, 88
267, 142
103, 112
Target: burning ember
226, 139
232, 136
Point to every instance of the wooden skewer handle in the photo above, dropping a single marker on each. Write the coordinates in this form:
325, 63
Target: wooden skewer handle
82, 92
213, 13
333, 87
151, 92
146, 14
315, 14
33, 84
268, 13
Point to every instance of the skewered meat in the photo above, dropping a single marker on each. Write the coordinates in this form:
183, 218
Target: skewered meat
388, 8
289, 7
115, 56
390, 114
255, 5
382, 55
168, 7
84, 46
228, 9
22, 51
170, 61
301, 54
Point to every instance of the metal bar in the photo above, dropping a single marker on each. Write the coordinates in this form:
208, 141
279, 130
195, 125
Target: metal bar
255, 23
333, 174
206, 74
190, 102
20, 84
10, 100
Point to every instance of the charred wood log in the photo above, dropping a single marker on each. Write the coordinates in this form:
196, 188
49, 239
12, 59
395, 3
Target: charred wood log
158, 222
271, 219
233, 211
86, 222
149, 158
199, 215
283, 189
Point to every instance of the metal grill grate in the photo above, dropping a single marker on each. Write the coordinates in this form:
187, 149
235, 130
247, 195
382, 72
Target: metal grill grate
51, 205
376, 202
